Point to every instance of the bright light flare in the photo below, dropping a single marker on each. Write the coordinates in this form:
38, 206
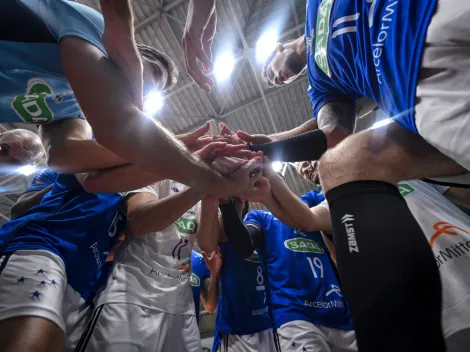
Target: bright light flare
27, 170
223, 66
153, 102
381, 123
266, 44
277, 166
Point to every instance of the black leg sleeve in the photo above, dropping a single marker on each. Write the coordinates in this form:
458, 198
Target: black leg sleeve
306, 146
387, 269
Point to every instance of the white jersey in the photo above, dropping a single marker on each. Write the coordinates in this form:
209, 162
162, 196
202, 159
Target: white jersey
154, 270
447, 229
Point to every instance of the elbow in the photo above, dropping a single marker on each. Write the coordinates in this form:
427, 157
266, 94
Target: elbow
57, 159
210, 307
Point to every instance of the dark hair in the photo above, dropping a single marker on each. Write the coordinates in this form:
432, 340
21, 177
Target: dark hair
152, 55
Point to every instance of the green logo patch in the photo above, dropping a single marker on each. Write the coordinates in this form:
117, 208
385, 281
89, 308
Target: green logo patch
187, 226
195, 281
405, 189
322, 33
303, 245
32, 107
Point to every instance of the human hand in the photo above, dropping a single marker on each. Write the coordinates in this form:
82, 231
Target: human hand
259, 192
196, 140
227, 135
238, 151
214, 262
254, 138
226, 165
198, 36
209, 153
246, 176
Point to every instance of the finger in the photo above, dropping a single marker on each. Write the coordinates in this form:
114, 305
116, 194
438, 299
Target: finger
200, 131
204, 256
245, 136
211, 147
198, 48
207, 47
238, 153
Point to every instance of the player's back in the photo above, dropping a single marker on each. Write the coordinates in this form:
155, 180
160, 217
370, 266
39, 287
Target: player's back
33, 86
366, 48
243, 305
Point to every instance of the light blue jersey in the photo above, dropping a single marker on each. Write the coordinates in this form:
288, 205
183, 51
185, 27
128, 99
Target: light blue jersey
367, 48
77, 226
33, 86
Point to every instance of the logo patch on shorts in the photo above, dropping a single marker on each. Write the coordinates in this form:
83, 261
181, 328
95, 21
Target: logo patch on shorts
405, 189
32, 107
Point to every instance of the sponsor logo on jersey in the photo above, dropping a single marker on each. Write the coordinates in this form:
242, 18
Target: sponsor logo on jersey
405, 189
195, 280
462, 248
254, 258
174, 189
300, 232
323, 31
303, 245
32, 107
444, 228
324, 304
347, 220
334, 290
187, 226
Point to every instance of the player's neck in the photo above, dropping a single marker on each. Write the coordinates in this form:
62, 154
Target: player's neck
301, 49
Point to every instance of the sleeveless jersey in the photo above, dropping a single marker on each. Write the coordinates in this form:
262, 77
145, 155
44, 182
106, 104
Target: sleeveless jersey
41, 180
198, 275
302, 281
243, 306
367, 48
33, 86
154, 270
75, 225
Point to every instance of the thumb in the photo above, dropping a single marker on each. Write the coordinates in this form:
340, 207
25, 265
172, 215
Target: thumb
245, 136
209, 149
204, 256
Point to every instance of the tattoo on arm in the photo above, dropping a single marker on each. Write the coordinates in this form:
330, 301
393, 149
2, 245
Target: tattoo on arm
337, 115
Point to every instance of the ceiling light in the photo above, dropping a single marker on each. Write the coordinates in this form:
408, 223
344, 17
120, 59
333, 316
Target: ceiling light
27, 170
223, 66
381, 123
266, 44
277, 166
153, 102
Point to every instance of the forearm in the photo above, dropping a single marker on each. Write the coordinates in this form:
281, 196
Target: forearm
78, 156
211, 296
158, 215
119, 179
118, 14
208, 231
308, 126
291, 205
278, 210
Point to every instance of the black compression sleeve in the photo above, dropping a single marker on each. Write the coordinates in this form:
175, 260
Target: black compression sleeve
306, 146
387, 269
237, 234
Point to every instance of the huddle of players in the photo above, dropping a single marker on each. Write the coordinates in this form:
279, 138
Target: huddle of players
61, 57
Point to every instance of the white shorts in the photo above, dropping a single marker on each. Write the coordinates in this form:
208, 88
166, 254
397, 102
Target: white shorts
443, 93
128, 327
34, 283
301, 336
260, 341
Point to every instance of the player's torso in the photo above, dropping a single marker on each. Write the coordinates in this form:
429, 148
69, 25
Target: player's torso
243, 306
447, 229
33, 85
302, 281
367, 47
78, 226
155, 269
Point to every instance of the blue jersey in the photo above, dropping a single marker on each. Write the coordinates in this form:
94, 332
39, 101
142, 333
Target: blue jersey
243, 306
75, 225
42, 180
312, 198
33, 86
302, 281
369, 48
198, 275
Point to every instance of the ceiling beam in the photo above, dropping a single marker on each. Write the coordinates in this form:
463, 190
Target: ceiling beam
165, 9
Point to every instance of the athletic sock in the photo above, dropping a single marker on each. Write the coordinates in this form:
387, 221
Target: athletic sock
307, 146
387, 269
